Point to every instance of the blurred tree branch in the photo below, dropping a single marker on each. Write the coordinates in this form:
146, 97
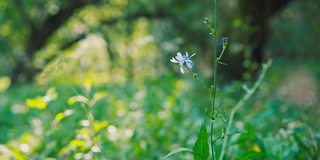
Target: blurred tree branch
162, 14
158, 14
109, 22
259, 11
39, 36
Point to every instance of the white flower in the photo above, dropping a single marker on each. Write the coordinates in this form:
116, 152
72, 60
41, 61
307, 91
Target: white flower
182, 59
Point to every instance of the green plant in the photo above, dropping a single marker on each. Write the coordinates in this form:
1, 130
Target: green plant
204, 147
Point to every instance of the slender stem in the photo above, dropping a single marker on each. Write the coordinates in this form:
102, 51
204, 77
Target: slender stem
92, 130
86, 107
215, 64
195, 75
242, 102
203, 84
212, 141
215, 73
221, 54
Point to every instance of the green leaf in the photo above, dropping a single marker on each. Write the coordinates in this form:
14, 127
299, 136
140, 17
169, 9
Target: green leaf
201, 147
232, 132
178, 150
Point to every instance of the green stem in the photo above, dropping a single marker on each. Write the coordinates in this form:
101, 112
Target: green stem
212, 141
215, 73
215, 62
92, 130
221, 54
242, 102
195, 75
90, 117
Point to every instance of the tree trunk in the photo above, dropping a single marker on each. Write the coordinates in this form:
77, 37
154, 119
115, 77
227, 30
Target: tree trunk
260, 12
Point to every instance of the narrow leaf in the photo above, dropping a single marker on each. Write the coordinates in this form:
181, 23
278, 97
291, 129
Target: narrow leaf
252, 155
232, 132
201, 147
178, 150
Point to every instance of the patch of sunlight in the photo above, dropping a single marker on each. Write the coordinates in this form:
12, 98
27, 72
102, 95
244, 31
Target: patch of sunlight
99, 125
75, 99
112, 130
6, 30
37, 126
62, 115
88, 60
4, 83
128, 133
21, 147
19, 108
5, 153
40, 102
95, 149
119, 2
36, 102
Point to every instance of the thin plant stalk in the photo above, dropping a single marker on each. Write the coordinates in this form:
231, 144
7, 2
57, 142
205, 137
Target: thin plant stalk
195, 75
215, 62
86, 108
212, 142
249, 93
214, 88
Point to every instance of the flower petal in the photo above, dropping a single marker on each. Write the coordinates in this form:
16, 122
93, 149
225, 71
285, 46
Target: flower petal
192, 55
181, 69
173, 60
187, 55
179, 56
189, 63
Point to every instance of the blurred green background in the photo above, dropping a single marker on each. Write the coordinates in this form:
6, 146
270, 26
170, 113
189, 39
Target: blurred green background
116, 53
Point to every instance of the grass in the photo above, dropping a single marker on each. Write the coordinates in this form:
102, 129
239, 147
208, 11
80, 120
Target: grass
147, 120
